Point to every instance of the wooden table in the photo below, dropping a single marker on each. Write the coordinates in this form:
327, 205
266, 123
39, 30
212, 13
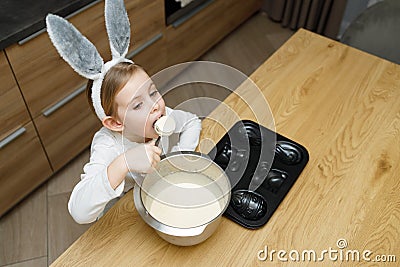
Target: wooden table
343, 105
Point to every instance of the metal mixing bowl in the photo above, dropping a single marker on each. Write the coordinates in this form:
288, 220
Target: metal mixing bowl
187, 162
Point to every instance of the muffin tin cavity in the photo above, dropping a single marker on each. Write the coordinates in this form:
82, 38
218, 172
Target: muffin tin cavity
255, 157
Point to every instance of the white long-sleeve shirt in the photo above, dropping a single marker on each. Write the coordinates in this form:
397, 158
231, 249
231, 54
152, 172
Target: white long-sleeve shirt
90, 196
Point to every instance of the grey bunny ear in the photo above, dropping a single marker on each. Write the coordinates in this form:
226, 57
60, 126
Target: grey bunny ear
118, 28
74, 48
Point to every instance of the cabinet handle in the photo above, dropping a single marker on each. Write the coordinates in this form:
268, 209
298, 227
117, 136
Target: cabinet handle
32, 36
39, 32
47, 112
183, 19
144, 46
12, 137
83, 9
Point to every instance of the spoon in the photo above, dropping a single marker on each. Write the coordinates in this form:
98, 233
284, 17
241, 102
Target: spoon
164, 126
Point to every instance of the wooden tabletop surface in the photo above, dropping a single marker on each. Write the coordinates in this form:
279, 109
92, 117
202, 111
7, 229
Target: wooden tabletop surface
343, 105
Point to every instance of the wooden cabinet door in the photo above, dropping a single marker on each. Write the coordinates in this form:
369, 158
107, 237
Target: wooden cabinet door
152, 55
13, 112
67, 128
23, 166
23, 163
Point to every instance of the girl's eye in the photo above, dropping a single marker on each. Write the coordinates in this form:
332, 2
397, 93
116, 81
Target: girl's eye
138, 106
154, 93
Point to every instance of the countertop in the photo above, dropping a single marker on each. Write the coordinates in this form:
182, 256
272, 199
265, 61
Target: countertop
21, 18
343, 105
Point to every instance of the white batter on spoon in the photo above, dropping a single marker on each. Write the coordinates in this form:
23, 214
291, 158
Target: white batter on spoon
164, 126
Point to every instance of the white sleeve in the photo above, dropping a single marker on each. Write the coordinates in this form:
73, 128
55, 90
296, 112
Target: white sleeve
90, 196
188, 125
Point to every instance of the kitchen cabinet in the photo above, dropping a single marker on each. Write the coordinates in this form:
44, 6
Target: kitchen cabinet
68, 130
49, 97
13, 112
23, 162
151, 55
23, 166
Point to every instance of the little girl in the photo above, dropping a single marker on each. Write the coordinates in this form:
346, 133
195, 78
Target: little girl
128, 104
124, 148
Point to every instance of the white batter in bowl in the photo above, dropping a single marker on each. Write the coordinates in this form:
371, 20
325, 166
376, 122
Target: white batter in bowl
184, 198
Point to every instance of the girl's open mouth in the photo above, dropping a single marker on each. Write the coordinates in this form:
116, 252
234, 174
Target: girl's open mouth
154, 123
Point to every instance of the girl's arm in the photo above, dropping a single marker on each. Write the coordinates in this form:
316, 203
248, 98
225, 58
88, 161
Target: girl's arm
90, 196
104, 176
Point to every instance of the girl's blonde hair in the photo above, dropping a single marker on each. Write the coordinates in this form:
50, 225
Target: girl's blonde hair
114, 80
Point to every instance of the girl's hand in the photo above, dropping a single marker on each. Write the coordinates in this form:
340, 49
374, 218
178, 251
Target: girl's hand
143, 158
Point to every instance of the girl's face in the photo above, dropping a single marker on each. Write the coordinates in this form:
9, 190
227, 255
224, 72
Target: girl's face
139, 106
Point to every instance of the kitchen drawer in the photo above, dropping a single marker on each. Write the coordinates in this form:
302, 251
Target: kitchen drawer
147, 20
13, 112
151, 55
189, 39
23, 166
67, 128
45, 78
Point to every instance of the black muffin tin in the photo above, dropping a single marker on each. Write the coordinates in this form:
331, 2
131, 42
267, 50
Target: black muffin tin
250, 151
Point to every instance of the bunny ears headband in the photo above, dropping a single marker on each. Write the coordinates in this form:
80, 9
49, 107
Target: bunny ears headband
83, 56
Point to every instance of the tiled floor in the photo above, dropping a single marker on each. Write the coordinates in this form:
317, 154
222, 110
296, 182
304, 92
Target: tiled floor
40, 228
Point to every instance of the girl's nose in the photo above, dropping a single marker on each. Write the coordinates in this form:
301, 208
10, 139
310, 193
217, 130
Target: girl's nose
156, 106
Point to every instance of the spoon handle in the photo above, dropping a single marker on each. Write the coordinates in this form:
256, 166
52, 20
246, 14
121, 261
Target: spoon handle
158, 140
